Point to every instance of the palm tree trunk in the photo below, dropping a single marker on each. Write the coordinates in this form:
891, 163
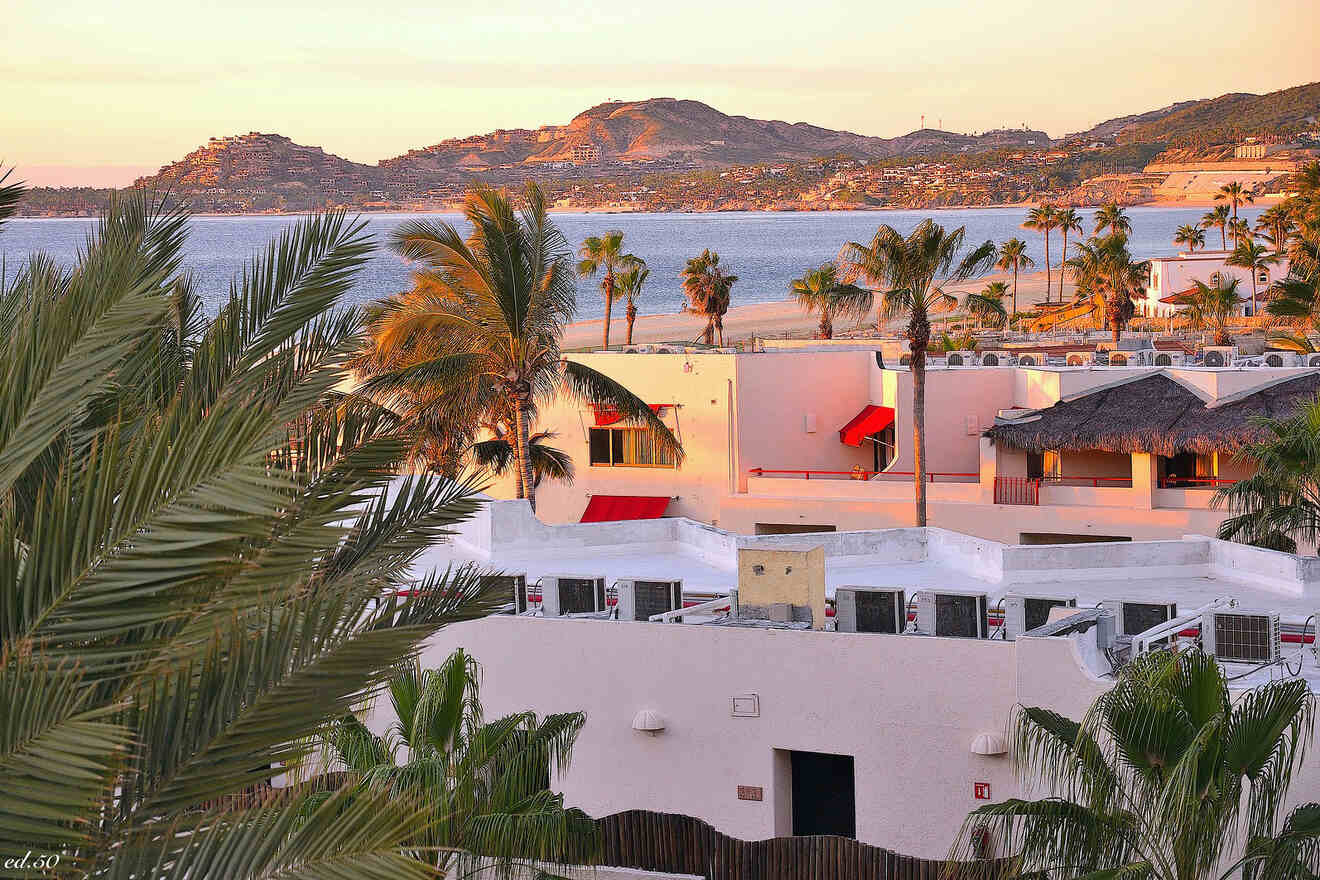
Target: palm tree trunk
523, 446
1063, 258
826, 325
609, 303
708, 335
719, 328
1048, 282
1253, 292
1223, 237
1015, 308
918, 341
631, 315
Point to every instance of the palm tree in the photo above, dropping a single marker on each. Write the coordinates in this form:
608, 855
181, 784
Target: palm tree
603, 253
1191, 236
1235, 194
496, 455
1297, 296
1278, 506
1041, 219
1104, 267
907, 272
987, 306
1068, 220
821, 290
1161, 779
1253, 257
1013, 255
1277, 223
1113, 218
1217, 217
485, 784
1213, 307
196, 529
1239, 230
480, 329
630, 283
707, 287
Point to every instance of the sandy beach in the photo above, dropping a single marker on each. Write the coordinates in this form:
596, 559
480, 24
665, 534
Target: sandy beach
783, 318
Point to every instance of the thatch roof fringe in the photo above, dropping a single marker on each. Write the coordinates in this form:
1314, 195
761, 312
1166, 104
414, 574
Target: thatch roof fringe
1156, 414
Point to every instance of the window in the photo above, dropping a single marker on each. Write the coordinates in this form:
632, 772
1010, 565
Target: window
1263, 277
626, 447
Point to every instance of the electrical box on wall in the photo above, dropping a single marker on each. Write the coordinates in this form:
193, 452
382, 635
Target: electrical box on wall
809, 423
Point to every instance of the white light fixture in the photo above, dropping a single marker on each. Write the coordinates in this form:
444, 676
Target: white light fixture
989, 744
648, 722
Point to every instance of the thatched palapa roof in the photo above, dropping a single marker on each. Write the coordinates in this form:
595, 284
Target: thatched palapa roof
1154, 414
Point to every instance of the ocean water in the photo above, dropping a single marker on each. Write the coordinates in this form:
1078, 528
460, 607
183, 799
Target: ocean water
765, 250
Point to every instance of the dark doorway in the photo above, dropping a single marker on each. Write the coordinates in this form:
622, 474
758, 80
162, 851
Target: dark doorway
824, 794
1061, 538
791, 528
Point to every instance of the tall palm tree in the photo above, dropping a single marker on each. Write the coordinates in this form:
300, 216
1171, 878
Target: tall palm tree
1278, 506
196, 529
821, 291
907, 272
1213, 307
1191, 236
1277, 224
484, 783
630, 282
1113, 218
1296, 297
1104, 267
987, 305
1013, 255
1253, 257
708, 286
603, 253
1235, 194
1217, 217
1041, 219
480, 328
1239, 231
1161, 779
1068, 221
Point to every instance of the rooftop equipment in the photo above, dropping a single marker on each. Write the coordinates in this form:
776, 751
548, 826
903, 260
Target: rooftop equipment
639, 599
1168, 359
1135, 616
1281, 359
960, 359
1033, 359
870, 610
1220, 356
998, 359
1313, 360
1022, 614
957, 613
1140, 358
1080, 358
515, 585
572, 594
1245, 636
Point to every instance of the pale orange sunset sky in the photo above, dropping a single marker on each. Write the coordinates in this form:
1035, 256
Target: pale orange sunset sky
94, 92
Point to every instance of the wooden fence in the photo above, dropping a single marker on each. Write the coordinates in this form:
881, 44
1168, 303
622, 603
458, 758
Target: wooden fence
684, 845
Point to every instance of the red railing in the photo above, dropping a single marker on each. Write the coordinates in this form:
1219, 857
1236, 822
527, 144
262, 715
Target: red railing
1017, 490
861, 474
1093, 482
1194, 482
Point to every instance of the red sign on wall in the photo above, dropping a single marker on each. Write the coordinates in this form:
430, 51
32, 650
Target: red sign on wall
981, 791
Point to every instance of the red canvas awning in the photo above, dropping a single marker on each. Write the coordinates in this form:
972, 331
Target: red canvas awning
608, 415
609, 508
871, 420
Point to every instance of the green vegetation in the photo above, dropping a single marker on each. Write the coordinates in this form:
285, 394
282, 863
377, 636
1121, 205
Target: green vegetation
1213, 307
1104, 269
1162, 779
474, 345
485, 784
631, 281
707, 286
604, 253
821, 290
1042, 219
1013, 255
1229, 118
195, 531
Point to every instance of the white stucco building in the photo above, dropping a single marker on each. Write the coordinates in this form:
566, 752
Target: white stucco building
1173, 277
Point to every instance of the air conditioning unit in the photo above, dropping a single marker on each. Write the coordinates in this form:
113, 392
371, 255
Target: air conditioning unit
870, 610
953, 613
515, 585
1220, 356
639, 598
1246, 636
1135, 616
667, 349
1022, 614
1281, 359
999, 359
1313, 360
566, 594
1140, 358
1168, 359
1033, 359
1079, 358
960, 359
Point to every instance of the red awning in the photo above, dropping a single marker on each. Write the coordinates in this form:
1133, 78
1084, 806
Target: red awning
871, 420
608, 508
608, 415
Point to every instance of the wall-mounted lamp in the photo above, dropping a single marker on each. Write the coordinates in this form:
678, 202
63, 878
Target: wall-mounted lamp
989, 744
648, 722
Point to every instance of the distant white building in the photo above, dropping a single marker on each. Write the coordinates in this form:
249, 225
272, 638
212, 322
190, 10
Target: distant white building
1172, 277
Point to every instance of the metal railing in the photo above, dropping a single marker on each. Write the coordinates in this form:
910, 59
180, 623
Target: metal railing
1017, 490
1093, 482
1194, 482
862, 474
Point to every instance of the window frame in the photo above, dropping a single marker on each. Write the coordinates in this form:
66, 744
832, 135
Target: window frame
619, 445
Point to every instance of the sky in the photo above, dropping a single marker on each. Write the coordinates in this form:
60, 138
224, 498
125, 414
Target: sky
96, 93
